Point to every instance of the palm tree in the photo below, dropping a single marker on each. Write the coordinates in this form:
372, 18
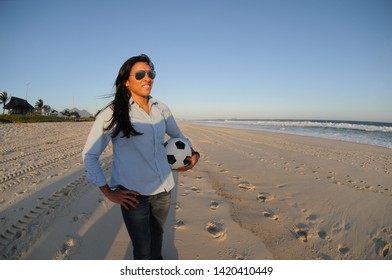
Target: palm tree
4, 98
46, 109
39, 104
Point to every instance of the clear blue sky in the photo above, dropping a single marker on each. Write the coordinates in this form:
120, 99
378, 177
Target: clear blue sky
307, 59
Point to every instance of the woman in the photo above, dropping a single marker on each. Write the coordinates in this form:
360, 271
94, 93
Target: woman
141, 178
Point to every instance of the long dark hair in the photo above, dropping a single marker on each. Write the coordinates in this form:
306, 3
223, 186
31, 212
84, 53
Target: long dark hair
120, 120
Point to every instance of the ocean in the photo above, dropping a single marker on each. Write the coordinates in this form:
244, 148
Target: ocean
370, 133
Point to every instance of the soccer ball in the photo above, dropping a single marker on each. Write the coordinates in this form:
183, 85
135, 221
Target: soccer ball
177, 151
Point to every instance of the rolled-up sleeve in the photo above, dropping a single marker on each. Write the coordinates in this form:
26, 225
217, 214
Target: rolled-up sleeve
96, 143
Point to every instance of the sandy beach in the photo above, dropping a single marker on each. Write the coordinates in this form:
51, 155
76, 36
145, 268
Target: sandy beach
254, 195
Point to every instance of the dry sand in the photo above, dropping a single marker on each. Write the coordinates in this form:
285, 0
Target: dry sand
253, 195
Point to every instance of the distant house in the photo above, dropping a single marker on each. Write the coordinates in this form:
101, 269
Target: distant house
18, 106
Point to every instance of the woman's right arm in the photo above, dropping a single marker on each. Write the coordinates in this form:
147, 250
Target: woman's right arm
97, 141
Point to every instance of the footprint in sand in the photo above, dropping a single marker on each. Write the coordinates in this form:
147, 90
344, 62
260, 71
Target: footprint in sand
19, 193
240, 257
196, 189
343, 249
246, 185
67, 248
311, 217
82, 217
214, 205
322, 234
177, 206
382, 246
180, 224
264, 197
217, 229
339, 227
324, 257
300, 232
307, 230
270, 214
386, 249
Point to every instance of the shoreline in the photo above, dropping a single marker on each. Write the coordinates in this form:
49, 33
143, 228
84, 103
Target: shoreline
253, 195
368, 133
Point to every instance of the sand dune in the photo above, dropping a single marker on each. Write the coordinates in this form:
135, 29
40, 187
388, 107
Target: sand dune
253, 195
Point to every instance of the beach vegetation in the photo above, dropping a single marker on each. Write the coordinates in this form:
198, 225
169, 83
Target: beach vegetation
34, 118
3, 99
39, 105
68, 113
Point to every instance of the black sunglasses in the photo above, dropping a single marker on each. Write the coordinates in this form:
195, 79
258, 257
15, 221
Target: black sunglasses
141, 73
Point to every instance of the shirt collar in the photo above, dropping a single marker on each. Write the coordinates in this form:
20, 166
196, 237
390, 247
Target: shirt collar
151, 100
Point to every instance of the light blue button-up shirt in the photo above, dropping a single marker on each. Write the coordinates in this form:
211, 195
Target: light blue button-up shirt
139, 162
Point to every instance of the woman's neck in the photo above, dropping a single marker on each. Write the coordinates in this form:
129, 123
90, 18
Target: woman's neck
143, 103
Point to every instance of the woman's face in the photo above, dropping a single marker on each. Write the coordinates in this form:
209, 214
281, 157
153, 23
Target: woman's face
139, 88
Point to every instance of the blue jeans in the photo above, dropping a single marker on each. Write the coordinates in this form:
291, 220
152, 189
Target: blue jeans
145, 225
